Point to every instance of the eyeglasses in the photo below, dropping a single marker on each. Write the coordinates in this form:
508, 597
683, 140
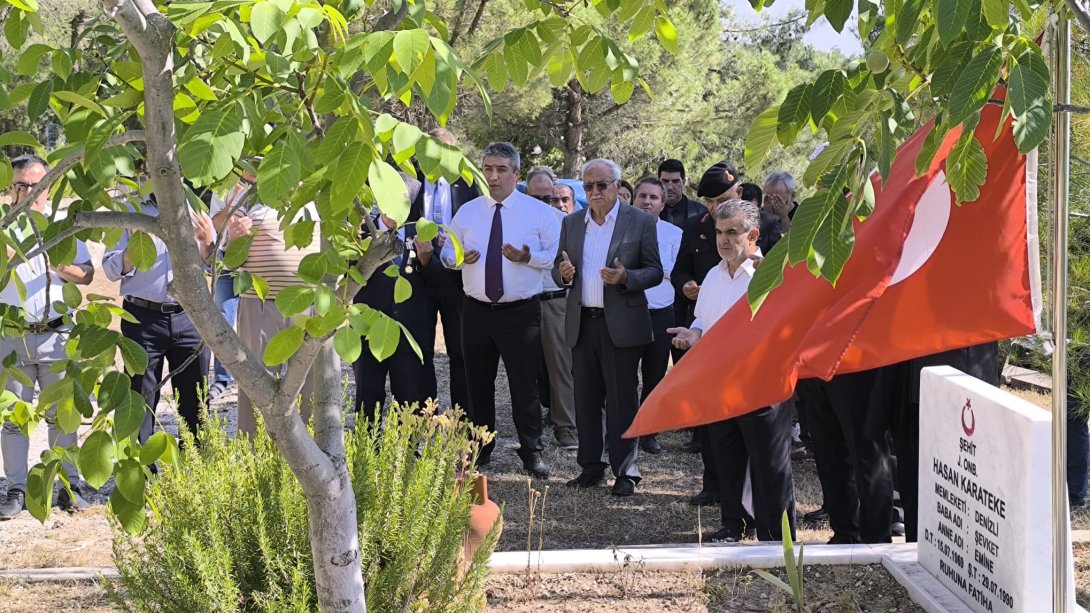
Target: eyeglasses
546, 199
20, 186
597, 186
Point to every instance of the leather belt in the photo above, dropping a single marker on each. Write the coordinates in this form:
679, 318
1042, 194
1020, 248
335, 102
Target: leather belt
560, 293
665, 309
502, 305
160, 307
41, 327
594, 312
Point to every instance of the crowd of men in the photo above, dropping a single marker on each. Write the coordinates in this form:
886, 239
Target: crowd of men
587, 305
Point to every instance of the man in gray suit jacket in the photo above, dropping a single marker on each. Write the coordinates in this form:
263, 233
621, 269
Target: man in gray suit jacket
608, 256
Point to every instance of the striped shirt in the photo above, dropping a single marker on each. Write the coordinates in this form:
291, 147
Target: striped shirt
595, 250
269, 256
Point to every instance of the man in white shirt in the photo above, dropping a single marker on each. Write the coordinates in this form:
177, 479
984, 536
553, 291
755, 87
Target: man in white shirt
651, 197
763, 438
42, 346
509, 240
556, 384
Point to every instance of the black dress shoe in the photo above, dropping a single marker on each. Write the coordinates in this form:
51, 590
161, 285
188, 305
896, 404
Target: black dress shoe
897, 528
651, 445
13, 503
535, 466
587, 479
704, 498
844, 539
726, 535
820, 516
623, 486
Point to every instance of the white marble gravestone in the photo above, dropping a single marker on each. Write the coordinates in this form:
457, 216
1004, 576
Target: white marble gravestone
985, 493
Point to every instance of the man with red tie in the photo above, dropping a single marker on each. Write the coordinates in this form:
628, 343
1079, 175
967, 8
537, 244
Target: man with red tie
509, 239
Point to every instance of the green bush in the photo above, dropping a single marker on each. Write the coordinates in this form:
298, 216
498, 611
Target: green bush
230, 527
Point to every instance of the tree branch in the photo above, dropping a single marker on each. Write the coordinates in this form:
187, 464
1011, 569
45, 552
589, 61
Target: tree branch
96, 219
390, 19
1081, 13
473, 24
1071, 108
60, 170
1081, 160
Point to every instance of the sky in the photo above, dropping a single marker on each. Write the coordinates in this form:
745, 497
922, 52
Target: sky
821, 34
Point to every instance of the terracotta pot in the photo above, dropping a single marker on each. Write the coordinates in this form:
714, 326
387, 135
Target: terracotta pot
482, 517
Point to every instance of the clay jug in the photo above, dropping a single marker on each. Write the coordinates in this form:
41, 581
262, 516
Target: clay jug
482, 517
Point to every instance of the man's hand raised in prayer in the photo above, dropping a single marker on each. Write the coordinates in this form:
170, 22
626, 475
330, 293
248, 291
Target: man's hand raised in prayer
567, 269
684, 338
616, 275
516, 255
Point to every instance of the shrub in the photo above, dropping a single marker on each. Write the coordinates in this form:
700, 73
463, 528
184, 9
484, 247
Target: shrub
230, 526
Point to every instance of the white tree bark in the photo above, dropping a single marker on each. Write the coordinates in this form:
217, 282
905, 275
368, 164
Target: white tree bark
318, 463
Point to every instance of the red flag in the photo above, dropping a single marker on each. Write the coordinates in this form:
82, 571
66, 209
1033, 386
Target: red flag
925, 276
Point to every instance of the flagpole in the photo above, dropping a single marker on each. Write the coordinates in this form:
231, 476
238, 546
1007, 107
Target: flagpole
1061, 74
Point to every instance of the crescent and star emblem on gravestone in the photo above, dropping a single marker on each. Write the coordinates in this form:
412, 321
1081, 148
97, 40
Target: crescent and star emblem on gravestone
970, 427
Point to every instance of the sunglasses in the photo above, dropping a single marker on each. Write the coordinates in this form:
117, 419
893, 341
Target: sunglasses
597, 186
546, 199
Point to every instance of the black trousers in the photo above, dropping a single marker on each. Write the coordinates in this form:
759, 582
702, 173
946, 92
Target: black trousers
447, 301
762, 440
412, 380
855, 468
168, 339
709, 481
656, 355
514, 334
605, 375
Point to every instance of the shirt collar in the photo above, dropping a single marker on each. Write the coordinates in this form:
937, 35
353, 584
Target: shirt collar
747, 268
610, 216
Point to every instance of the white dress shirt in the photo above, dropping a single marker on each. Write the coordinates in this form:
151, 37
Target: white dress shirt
547, 283
595, 250
662, 295
32, 273
720, 291
526, 221
437, 201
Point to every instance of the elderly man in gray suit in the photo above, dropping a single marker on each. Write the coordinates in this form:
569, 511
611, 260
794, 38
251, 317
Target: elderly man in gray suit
608, 256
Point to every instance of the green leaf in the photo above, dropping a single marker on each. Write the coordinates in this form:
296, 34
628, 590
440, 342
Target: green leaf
975, 84
404, 141
794, 111
134, 357
212, 145
997, 12
16, 29
238, 251
72, 296
68, 417
641, 23
1032, 127
383, 336
114, 389
23, 139
833, 243
278, 174
390, 192
761, 137
828, 88
294, 299
39, 99
129, 415
908, 19
621, 90
666, 33
887, 147
949, 68
78, 100
39, 492
768, 276
837, 12
950, 18
403, 290
132, 516
967, 168
130, 480
154, 447
29, 59
351, 175
346, 342
96, 458
141, 251
1028, 83
266, 20
283, 345
409, 49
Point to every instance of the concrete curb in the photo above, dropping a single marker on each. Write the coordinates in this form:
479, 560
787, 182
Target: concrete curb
85, 574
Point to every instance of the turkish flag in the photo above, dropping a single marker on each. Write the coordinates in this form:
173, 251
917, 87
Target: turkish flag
926, 276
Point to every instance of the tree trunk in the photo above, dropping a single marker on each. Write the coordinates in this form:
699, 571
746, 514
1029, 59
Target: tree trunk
574, 129
319, 465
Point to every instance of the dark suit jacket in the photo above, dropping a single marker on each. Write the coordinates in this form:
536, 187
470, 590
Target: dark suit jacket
771, 231
635, 242
697, 254
683, 212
